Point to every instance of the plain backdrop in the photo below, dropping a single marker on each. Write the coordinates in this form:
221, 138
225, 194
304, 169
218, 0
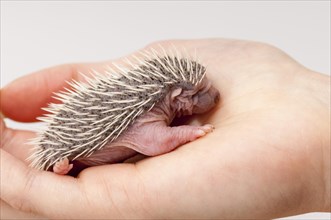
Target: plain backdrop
39, 34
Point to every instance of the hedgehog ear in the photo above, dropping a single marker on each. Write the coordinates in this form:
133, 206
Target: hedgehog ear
175, 93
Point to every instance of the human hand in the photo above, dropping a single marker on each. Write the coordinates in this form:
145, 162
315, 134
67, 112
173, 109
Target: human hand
268, 157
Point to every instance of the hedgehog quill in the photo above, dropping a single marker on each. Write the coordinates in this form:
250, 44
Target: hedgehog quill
119, 113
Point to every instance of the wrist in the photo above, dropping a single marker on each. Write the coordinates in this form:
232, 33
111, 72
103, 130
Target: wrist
319, 85
327, 148
322, 85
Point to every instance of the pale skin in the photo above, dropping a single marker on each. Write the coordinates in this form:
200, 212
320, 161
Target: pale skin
268, 157
151, 134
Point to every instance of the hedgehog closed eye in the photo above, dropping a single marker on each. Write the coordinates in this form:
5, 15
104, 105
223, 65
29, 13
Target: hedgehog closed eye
121, 113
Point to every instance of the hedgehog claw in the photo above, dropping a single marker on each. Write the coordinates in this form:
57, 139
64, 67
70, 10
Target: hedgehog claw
62, 167
207, 128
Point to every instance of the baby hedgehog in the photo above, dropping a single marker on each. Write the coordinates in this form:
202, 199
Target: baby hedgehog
118, 114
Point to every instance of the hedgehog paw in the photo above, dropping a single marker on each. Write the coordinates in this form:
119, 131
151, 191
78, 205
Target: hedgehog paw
172, 137
206, 128
190, 133
62, 167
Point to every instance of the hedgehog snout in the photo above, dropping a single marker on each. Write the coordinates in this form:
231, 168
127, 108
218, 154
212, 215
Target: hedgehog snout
217, 97
206, 100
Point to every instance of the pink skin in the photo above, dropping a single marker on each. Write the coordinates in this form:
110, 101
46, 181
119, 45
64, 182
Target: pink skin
151, 134
62, 167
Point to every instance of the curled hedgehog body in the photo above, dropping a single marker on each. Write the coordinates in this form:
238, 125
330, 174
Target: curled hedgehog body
95, 116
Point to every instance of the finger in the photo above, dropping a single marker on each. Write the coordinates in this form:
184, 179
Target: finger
42, 193
23, 99
8, 212
15, 143
92, 195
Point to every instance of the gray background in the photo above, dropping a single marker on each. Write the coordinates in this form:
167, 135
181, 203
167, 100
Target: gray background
35, 35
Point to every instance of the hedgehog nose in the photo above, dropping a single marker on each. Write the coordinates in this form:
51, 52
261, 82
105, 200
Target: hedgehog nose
217, 97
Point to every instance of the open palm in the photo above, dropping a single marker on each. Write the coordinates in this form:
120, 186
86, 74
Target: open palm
268, 156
